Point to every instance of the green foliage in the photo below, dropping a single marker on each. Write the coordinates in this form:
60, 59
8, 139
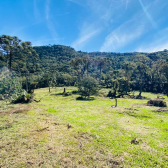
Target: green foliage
59, 65
18, 53
11, 87
88, 86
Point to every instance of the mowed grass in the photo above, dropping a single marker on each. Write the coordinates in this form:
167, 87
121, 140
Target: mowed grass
64, 132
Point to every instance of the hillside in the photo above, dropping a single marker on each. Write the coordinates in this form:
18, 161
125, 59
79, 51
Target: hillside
62, 65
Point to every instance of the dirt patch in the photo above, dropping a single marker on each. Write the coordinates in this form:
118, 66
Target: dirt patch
84, 135
23, 109
147, 147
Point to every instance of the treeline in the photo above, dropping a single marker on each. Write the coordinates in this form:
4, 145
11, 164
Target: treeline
122, 72
57, 65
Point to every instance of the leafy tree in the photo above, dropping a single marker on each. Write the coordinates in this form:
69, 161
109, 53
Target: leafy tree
88, 86
81, 65
20, 55
9, 46
10, 85
141, 71
100, 63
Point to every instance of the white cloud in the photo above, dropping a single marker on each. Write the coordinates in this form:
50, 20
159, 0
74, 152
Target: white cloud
147, 14
123, 35
126, 3
50, 25
101, 14
158, 43
36, 11
78, 2
84, 38
47, 9
106, 9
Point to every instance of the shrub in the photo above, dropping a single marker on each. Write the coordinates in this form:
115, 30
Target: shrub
156, 102
88, 86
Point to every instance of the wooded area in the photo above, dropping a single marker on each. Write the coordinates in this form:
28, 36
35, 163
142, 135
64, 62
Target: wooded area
57, 65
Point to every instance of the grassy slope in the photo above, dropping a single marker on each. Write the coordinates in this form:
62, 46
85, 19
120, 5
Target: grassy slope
37, 134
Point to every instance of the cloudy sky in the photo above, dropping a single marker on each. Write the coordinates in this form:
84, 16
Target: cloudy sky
88, 25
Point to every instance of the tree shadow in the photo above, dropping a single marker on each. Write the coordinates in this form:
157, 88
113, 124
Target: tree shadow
133, 114
161, 110
75, 92
57, 94
85, 99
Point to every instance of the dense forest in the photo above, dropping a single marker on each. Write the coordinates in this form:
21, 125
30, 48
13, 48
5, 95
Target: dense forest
58, 65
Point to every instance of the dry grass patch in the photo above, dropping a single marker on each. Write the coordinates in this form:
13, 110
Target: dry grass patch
40, 140
20, 109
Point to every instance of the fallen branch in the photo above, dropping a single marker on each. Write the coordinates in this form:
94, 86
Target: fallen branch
42, 129
36, 100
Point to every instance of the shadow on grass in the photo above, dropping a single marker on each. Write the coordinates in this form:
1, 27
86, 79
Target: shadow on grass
62, 94
66, 93
133, 114
85, 99
161, 110
57, 94
75, 92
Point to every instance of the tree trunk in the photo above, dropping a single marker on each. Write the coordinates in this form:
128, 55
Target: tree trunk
10, 60
127, 86
140, 88
115, 102
49, 86
64, 90
140, 92
26, 83
100, 74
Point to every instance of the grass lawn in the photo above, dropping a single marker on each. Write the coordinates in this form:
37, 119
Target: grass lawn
64, 132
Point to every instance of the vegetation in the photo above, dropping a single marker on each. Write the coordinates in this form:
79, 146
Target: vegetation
62, 132
88, 86
59, 65
58, 131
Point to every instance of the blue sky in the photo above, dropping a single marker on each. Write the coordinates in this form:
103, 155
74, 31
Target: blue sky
88, 25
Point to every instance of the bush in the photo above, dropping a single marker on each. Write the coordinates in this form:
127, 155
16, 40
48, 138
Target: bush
23, 97
156, 102
88, 86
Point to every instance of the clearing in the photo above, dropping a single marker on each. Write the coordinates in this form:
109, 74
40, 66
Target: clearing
61, 131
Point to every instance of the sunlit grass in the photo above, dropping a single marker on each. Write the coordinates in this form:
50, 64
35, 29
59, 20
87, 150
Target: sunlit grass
61, 131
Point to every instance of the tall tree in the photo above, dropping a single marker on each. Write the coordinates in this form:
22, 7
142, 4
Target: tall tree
100, 63
17, 52
141, 71
20, 55
9, 46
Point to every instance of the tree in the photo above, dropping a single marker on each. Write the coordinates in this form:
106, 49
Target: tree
164, 69
9, 46
81, 65
17, 52
88, 86
141, 71
128, 70
100, 63
20, 55
10, 85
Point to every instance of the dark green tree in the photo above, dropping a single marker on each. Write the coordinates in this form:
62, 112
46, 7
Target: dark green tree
88, 86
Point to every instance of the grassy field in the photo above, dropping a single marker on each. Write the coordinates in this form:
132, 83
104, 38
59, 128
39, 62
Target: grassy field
64, 132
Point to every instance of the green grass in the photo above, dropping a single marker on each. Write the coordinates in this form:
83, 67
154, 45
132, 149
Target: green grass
62, 131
